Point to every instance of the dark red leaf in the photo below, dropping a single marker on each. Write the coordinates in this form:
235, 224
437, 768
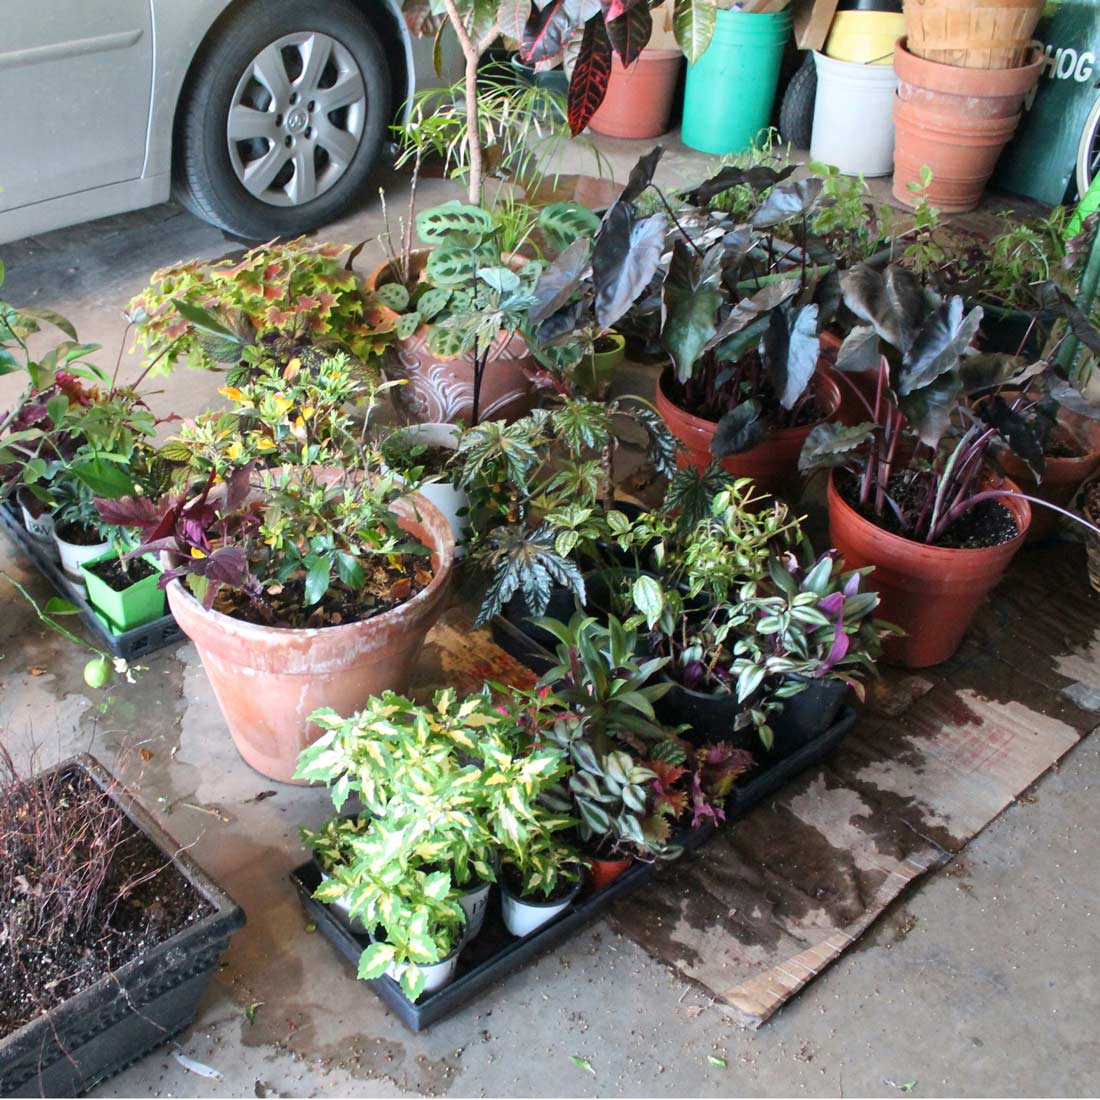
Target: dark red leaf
630, 32
138, 512
590, 76
615, 9
547, 31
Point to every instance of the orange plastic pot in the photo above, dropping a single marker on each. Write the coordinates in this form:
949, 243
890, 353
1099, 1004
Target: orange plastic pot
603, 872
268, 680
931, 592
772, 463
638, 103
955, 120
441, 391
1062, 477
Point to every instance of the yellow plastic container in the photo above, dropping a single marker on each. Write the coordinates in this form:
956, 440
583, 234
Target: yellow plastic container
865, 37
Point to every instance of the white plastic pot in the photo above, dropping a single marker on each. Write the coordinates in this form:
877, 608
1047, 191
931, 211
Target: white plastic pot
475, 904
437, 975
854, 116
73, 555
522, 916
40, 528
341, 909
445, 495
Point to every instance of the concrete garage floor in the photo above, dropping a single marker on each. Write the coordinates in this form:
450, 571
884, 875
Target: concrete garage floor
984, 981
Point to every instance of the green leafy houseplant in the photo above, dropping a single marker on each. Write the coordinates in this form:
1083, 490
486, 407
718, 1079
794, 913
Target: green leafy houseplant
470, 294
542, 494
447, 786
303, 533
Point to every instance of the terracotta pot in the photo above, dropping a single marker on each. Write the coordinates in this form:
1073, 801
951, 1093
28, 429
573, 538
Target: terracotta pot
268, 680
931, 592
638, 103
956, 121
603, 872
441, 391
1062, 477
772, 463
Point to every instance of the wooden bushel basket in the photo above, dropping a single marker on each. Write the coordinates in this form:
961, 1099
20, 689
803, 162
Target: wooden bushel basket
989, 34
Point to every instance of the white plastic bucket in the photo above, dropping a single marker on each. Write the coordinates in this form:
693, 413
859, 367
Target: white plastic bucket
854, 116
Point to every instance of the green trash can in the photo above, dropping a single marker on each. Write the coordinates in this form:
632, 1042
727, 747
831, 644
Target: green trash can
731, 89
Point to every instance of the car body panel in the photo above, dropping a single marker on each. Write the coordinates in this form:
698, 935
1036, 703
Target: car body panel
98, 83
80, 73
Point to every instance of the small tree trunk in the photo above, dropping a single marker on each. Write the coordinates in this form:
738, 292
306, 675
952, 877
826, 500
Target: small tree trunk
471, 51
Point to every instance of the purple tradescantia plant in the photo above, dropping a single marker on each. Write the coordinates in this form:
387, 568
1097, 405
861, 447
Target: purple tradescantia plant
812, 623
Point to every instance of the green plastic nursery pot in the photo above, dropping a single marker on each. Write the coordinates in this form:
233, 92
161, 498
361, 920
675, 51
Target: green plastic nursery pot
730, 90
594, 372
137, 605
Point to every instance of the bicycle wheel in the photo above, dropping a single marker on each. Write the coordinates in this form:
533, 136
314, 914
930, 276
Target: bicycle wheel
1088, 151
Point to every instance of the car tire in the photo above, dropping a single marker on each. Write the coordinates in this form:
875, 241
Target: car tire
796, 115
265, 43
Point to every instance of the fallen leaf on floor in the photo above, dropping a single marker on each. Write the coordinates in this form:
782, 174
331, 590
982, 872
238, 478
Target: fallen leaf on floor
692, 1011
37, 670
261, 796
262, 1090
311, 927
250, 1011
146, 755
908, 1086
582, 1063
716, 1061
199, 1068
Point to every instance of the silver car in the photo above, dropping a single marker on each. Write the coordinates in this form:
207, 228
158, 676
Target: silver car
264, 117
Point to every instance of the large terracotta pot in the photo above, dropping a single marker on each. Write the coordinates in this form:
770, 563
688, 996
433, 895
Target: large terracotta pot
931, 592
772, 464
1062, 477
441, 391
268, 680
638, 102
955, 120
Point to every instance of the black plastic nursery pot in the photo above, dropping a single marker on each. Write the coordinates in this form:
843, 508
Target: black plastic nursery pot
138, 641
806, 715
105, 1027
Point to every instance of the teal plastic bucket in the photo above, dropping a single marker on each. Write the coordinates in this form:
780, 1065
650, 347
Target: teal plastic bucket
731, 88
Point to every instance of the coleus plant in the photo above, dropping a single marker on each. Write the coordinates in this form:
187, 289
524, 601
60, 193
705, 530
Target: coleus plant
284, 296
919, 460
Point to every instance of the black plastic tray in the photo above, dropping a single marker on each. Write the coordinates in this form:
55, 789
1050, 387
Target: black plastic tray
131, 644
759, 783
489, 958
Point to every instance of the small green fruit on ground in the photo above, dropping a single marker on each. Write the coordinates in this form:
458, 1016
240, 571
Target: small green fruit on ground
98, 672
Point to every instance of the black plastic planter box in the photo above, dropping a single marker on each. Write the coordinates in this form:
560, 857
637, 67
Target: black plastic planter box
104, 1028
131, 644
492, 956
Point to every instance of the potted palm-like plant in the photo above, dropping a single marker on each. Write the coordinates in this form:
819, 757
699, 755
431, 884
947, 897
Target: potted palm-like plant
303, 574
911, 491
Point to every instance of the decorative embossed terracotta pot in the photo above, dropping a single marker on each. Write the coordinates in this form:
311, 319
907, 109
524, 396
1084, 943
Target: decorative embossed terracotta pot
442, 390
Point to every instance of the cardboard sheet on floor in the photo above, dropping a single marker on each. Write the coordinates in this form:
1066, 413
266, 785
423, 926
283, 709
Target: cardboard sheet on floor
937, 754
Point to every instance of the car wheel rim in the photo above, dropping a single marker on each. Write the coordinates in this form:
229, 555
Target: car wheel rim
296, 119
